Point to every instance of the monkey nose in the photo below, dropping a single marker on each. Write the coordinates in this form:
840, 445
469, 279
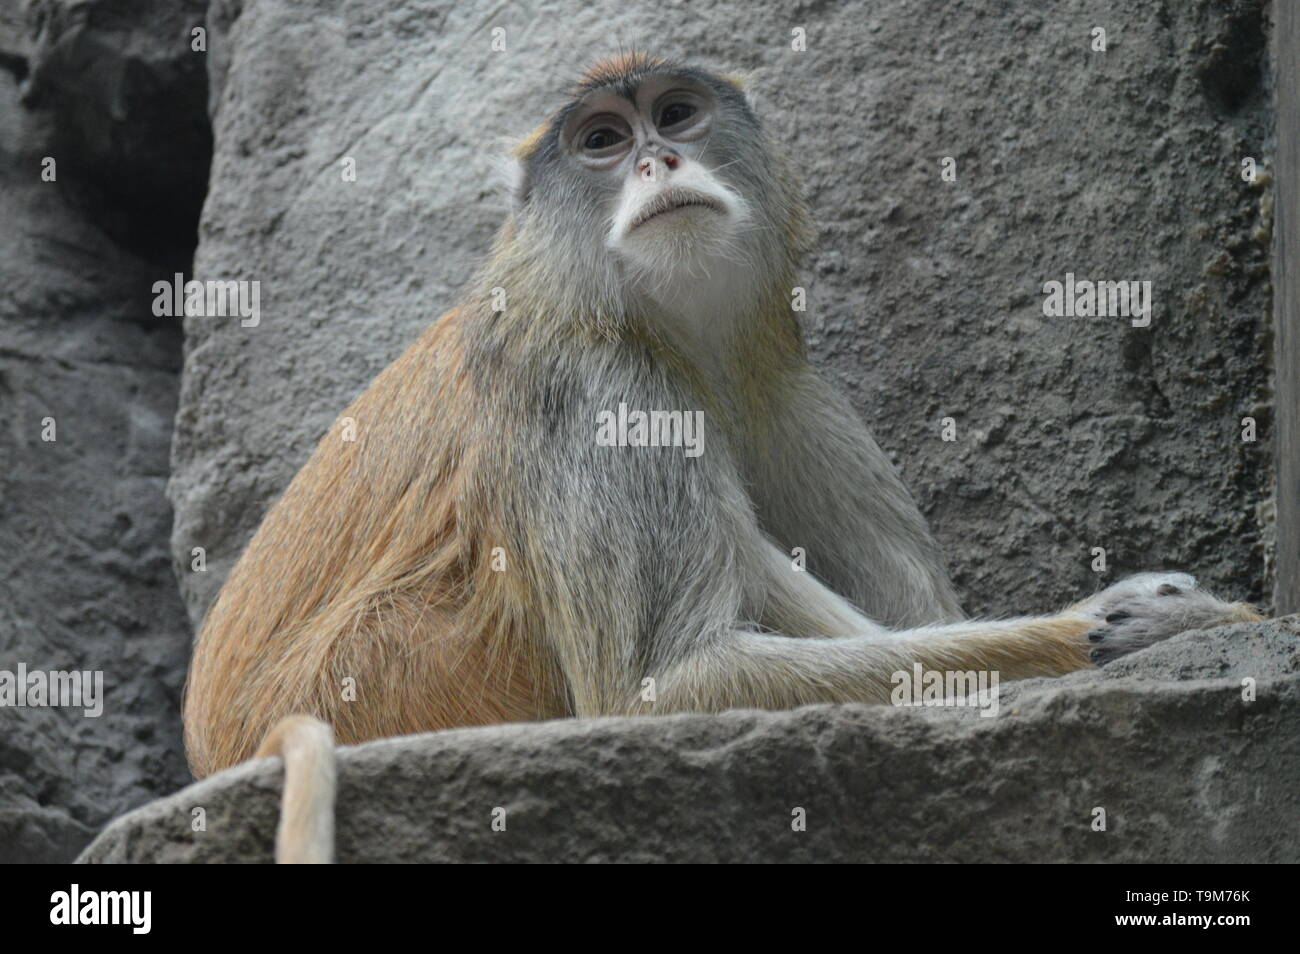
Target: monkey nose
647, 167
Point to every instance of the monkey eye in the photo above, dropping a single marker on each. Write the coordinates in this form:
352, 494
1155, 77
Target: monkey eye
676, 113
602, 137
601, 141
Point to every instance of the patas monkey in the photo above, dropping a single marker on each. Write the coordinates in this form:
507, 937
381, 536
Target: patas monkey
477, 555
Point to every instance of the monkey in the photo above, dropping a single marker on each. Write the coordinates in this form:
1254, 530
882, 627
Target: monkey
475, 555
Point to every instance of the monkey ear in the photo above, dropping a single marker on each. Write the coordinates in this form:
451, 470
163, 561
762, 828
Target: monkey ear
520, 184
510, 172
747, 83
519, 180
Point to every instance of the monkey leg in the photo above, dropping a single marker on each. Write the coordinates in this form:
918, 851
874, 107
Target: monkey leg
742, 668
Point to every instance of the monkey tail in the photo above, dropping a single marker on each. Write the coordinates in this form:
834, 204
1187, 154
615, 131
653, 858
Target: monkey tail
305, 835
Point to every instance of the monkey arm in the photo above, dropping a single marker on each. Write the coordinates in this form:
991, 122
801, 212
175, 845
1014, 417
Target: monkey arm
821, 482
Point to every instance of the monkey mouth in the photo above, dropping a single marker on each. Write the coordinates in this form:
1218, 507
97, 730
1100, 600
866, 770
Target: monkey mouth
671, 200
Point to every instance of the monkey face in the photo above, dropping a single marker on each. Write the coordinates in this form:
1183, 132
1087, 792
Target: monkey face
650, 156
665, 167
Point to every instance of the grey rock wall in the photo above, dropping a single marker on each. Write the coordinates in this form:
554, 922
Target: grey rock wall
1164, 743
86, 581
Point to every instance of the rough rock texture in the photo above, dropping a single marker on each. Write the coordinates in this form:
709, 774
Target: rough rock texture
85, 576
1185, 769
926, 296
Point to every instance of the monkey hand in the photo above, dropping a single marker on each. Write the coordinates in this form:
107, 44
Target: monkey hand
1144, 609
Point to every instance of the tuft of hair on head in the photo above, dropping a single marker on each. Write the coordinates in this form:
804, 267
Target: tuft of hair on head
622, 67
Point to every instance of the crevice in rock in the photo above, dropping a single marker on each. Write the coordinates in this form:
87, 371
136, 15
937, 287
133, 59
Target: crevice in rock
1232, 68
135, 147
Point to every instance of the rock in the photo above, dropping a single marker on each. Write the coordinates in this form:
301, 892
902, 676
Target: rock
86, 581
1184, 768
126, 93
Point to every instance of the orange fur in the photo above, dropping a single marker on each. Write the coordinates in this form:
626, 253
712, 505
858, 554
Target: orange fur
369, 567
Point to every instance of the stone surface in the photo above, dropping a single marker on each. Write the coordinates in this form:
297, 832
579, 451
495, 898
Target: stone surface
85, 576
926, 296
1185, 770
